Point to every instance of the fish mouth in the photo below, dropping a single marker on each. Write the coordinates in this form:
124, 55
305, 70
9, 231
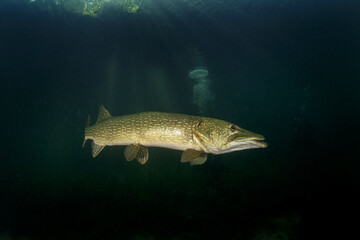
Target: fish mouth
241, 143
251, 140
258, 142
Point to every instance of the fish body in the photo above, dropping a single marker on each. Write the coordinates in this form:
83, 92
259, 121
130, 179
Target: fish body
194, 135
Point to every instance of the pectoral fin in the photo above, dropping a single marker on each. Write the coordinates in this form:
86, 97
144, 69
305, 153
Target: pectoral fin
199, 160
131, 151
96, 149
194, 157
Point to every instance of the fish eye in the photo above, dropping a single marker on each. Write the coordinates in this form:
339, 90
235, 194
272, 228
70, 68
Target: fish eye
233, 128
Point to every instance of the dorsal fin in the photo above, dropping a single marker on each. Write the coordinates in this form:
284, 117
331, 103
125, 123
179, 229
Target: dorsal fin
103, 114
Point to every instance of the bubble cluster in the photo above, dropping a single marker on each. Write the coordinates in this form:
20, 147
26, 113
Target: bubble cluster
202, 94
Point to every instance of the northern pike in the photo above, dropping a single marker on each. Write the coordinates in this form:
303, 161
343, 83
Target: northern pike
194, 135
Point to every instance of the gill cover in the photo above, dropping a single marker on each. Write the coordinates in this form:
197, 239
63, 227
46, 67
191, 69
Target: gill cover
210, 133
217, 136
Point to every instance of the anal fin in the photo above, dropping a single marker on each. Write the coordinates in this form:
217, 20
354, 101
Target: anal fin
96, 149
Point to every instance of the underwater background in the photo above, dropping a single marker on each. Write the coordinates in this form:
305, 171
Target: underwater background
288, 70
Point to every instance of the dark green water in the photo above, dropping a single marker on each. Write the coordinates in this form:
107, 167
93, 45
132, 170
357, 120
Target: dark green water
286, 69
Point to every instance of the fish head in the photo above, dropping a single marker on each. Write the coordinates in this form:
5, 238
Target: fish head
218, 136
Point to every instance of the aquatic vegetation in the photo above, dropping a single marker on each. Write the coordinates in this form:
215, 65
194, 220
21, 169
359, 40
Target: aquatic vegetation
129, 6
91, 8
